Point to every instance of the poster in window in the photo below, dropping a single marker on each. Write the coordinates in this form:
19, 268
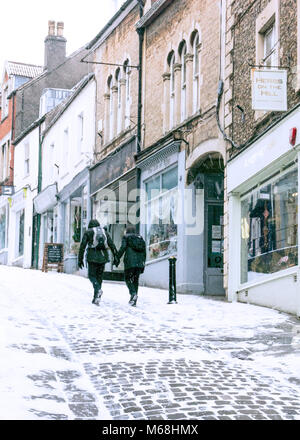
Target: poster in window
216, 246
216, 232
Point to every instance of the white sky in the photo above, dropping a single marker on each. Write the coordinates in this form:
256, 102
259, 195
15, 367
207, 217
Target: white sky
24, 26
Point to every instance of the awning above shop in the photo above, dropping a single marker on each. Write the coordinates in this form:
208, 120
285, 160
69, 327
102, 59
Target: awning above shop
46, 199
74, 188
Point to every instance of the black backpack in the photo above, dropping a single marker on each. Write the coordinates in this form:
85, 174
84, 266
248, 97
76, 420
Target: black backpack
137, 243
99, 239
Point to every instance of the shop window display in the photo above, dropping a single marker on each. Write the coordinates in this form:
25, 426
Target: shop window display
161, 209
2, 227
269, 227
21, 233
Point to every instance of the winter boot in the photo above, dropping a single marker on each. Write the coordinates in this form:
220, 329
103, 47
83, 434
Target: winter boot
134, 300
131, 298
97, 297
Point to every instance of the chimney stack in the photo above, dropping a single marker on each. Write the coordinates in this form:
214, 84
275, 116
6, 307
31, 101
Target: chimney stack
51, 27
55, 45
60, 28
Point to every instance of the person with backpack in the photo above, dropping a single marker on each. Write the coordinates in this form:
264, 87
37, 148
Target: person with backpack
98, 242
134, 247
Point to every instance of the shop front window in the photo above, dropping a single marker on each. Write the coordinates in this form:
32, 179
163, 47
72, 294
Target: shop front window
84, 209
75, 227
161, 210
269, 227
2, 227
21, 233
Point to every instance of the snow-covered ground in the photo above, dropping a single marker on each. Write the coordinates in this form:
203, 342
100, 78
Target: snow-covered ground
36, 309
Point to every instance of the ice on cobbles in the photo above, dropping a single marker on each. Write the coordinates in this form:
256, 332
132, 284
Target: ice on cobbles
62, 358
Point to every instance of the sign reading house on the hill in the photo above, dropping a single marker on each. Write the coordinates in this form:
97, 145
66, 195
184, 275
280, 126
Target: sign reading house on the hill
269, 91
53, 256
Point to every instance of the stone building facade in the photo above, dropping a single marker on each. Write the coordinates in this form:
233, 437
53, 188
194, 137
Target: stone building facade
182, 146
114, 56
247, 22
262, 38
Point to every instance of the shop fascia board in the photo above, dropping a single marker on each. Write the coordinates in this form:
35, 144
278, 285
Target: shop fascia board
267, 155
79, 180
126, 176
272, 169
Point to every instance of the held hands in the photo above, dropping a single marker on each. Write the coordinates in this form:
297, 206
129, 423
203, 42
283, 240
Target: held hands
116, 261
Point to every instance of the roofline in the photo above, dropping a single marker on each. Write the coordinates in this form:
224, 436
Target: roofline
65, 104
94, 43
46, 72
38, 121
31, 127
23, 64
152, 13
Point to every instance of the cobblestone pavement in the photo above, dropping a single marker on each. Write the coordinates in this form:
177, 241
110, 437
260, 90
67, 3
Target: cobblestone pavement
115, 362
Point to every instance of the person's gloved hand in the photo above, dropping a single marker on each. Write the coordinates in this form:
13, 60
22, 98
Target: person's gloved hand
116, 261
80, 264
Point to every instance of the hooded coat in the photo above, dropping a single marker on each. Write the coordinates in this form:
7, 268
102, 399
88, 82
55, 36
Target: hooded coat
132, 258
95, 255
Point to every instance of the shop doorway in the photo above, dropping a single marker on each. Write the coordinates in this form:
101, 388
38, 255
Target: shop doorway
208, 175
214, 235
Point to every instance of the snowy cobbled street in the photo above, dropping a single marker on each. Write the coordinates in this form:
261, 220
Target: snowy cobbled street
65, 358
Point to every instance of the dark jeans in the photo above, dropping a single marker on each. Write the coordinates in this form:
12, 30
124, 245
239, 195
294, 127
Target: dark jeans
95, 274
132, 280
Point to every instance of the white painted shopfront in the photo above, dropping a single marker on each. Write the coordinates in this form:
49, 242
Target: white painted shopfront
262, 184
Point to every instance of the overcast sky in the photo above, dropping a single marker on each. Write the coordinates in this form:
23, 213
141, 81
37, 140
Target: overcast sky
24, 25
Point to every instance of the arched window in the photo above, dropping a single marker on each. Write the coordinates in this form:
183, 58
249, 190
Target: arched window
182, 53
111, 109
171, 61
196, 72
119, 101
127, 93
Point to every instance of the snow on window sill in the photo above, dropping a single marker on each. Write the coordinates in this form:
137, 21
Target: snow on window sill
156, 260
16, 260
268, 277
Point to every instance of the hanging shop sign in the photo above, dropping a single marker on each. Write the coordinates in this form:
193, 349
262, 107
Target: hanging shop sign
7, 190
46, 199
269, 90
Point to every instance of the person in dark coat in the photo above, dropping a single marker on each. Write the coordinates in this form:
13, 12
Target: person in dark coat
98, 241
134, 247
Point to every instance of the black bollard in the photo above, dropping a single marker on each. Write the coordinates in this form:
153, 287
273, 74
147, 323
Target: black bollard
172, 280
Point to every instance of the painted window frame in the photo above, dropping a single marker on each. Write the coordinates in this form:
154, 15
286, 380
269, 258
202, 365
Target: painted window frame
246, 229
196, 72
183, 80
172, 90
159, 196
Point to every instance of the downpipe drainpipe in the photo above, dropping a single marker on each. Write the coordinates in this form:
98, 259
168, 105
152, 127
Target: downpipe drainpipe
139, 110
39, 187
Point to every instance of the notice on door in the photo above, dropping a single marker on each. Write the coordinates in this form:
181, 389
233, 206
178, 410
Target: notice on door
216, 232
216, 247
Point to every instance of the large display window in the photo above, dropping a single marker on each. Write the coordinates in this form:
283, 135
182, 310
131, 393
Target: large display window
161, 209
3, 227
269, 227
